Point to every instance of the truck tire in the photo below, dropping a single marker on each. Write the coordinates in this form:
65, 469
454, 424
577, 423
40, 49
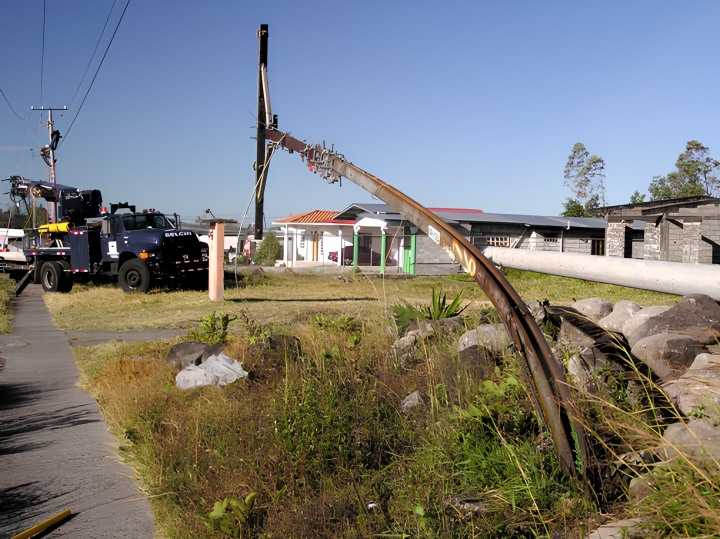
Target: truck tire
66, 280
52, 277
134, 276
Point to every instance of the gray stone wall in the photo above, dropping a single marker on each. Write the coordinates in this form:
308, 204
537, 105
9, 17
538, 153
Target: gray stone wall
709, 245
675, 242
691, 241
431, 259
576, 244
651, 243
615, 240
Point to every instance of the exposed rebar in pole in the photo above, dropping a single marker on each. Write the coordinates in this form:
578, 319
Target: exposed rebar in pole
260, 161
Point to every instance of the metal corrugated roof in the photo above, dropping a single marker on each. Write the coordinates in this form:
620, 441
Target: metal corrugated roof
461, 215
539, 220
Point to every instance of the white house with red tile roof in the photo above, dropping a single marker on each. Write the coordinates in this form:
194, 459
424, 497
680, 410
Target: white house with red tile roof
309, 238
376, 235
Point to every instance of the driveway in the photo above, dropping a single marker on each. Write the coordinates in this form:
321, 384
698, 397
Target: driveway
55, 450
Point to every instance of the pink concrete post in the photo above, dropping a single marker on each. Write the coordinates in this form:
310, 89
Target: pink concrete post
217, 256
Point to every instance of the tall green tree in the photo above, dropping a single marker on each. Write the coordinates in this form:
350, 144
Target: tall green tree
696, 174
585, 177
637, 197
573, 208
13, 217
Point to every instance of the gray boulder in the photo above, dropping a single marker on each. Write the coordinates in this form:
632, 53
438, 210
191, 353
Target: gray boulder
492, 338
696, 315
594, 308
640, 317
188, 353
697, 440
699, 388
583, 365
669, 355
418, 332
414, 401
620, 314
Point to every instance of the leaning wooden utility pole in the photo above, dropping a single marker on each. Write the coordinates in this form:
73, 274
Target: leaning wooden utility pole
262, 114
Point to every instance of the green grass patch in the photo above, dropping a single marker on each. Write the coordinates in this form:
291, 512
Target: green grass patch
316, 438
7, 293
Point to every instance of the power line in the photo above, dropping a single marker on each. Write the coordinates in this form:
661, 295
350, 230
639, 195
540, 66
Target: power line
96, 72
42, 53
9, 105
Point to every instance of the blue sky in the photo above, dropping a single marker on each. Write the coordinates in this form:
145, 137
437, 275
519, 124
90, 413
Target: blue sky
473, 104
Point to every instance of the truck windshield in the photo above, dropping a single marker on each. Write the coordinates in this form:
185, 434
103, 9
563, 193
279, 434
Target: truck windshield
141, 221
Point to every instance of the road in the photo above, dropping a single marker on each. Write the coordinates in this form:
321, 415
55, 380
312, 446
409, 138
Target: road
55, 449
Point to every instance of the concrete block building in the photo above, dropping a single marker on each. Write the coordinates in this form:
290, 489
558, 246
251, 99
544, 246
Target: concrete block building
675, 230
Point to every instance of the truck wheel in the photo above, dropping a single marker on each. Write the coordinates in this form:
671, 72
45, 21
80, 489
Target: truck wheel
66, 281
51, 276
134, 276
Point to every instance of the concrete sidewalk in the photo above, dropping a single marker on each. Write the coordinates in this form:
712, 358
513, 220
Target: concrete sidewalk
55, 451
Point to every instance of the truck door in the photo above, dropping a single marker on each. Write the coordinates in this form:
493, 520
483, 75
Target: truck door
112, 232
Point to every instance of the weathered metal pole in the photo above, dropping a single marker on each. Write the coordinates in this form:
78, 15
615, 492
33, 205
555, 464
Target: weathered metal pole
260, 161
548, 386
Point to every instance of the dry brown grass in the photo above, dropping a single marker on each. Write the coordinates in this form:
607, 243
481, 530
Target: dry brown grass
317, 435
288, 298
284, 299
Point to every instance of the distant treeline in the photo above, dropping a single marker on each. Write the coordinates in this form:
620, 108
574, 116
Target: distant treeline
12, 218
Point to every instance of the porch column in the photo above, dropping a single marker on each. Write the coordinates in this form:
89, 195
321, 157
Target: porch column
356, 239
413, 247
285, 246
294, 246
341, 251
383, 245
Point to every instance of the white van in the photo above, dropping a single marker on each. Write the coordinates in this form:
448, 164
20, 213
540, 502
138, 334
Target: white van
11, 244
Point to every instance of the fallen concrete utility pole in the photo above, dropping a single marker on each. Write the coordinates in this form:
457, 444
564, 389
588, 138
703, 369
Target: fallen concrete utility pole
669, 277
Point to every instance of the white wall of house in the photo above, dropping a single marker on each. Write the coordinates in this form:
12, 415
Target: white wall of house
313, 243
228, 241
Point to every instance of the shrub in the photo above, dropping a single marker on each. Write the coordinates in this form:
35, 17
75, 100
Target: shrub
269, 251
437, 310
213, 329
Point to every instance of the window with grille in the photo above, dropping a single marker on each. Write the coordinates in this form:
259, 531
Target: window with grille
497, 241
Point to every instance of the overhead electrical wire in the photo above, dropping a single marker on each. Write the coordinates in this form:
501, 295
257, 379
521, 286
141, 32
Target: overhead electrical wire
17, 158
9, 105
42, 53
96, 72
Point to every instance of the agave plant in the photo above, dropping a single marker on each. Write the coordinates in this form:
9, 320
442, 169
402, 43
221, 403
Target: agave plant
439, 309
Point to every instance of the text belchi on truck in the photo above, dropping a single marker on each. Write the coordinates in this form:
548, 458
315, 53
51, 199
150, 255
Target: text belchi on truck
138, 249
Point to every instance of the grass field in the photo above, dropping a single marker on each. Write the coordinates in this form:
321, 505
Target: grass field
315, 444
284, 299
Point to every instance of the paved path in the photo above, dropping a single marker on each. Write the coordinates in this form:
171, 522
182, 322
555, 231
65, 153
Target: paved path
55, 451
